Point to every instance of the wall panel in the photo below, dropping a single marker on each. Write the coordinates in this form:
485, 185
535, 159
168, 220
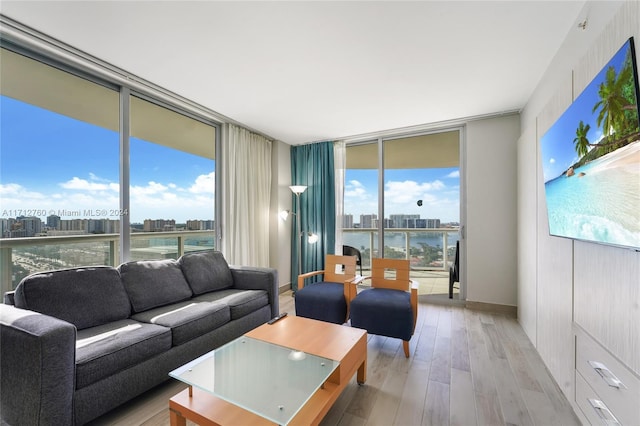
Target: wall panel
527, 232
491, 210
554, 268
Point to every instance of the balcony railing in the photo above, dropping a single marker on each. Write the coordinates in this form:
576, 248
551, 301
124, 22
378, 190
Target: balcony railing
20, 257
427, 249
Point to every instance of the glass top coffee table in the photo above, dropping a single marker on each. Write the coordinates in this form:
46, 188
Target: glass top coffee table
267, 379
289, 372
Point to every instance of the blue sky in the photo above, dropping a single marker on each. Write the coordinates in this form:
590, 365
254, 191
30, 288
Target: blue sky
52, 162
557, 147
438, 188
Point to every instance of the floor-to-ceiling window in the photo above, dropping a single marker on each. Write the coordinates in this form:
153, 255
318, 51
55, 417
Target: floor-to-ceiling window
403, 194
59, 172
61, 197
172, 181
360, 220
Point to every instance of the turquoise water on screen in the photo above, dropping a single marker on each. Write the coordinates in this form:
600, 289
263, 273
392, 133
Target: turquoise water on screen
603, 205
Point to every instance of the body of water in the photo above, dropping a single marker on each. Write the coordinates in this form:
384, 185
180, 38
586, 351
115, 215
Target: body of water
361, 240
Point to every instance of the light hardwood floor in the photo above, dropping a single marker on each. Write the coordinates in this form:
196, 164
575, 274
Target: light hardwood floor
466, 368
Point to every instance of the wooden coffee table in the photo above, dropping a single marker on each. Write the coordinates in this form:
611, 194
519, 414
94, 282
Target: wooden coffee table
345, 349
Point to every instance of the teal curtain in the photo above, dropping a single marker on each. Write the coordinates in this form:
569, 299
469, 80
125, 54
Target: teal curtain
313, 165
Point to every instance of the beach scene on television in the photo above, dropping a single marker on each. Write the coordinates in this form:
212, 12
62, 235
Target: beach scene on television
591, 159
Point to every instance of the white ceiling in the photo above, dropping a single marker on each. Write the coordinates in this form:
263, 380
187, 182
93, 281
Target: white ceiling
308, 71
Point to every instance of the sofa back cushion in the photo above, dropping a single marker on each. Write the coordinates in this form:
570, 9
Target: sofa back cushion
206, 271
85, 297
154, 283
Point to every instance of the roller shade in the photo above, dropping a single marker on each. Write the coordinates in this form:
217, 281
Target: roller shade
437, 150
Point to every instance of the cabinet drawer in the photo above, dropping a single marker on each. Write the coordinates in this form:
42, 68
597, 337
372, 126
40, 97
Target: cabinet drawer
596, 412
614, 384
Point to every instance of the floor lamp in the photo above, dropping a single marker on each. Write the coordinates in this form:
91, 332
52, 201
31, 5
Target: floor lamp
298, 189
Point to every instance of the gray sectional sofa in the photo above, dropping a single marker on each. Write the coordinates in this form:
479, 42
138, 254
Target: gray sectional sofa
79, 342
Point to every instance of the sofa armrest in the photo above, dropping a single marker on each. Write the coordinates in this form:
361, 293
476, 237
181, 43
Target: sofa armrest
37, 368
254, 278
10, 297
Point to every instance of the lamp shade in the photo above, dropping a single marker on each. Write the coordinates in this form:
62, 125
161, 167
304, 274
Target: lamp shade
298, 189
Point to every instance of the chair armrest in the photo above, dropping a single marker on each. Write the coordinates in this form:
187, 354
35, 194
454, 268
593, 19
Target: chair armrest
306, 275
351, 287
414, 301
358, 279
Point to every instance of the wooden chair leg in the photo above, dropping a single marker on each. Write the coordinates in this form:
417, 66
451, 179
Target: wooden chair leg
405, 346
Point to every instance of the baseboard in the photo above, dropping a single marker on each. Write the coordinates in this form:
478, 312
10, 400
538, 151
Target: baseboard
284, 288
508, 310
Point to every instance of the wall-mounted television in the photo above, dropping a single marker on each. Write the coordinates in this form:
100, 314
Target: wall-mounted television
591, 159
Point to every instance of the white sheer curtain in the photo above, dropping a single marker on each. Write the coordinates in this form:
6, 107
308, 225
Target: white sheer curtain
340, 164
247, 189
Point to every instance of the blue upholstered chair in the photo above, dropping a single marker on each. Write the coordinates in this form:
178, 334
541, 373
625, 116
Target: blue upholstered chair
328, 299
390, 307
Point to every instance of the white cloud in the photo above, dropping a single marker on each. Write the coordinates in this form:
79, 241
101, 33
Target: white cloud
19, 193
552, 160
355, 189
407, 191
454, 174
150, 189
438, 199
151, 200
84, 185
204, 184
95, 177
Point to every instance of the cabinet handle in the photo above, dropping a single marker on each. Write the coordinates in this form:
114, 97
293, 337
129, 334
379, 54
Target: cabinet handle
604, 413
607, 375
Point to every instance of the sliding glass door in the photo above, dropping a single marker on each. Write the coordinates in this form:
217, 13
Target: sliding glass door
402, 200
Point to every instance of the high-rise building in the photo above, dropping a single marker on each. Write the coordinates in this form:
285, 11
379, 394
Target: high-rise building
5, 227
433, 223
73, 225
366, 220
53, 222
159, 225
32, 225
347, 221
403, 220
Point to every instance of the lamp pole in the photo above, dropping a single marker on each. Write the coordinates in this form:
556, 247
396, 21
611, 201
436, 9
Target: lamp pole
298, 189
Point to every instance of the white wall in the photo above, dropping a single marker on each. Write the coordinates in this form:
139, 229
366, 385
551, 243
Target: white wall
551, 278
491, 210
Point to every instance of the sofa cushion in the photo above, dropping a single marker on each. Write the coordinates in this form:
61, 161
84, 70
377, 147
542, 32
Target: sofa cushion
240, 302
187, 320
85, 297
107, 349
154, 283
206, 271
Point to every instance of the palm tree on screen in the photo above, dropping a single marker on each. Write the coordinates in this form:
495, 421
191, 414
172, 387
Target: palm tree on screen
612, 103
581, 142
